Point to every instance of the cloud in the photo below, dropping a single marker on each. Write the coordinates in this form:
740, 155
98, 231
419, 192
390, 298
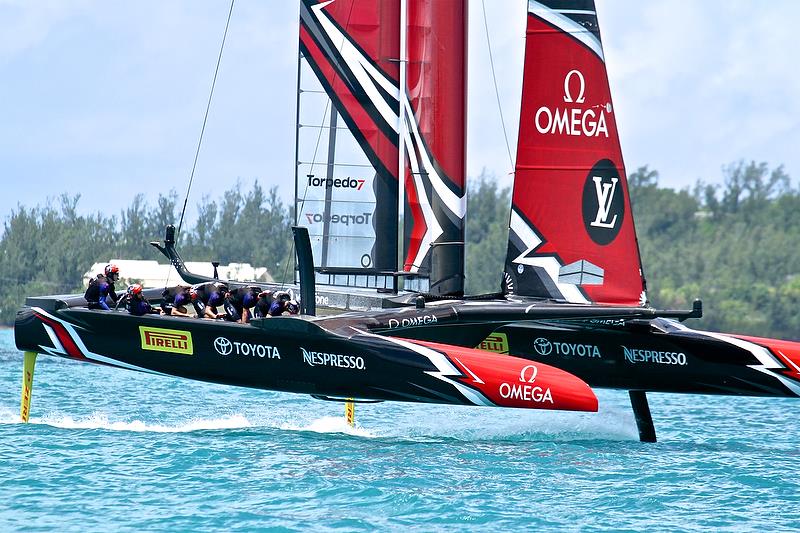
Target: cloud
25, 24
486, 145
700, 84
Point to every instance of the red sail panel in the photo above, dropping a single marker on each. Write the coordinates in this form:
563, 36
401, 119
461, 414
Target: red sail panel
436, 141
437, 81
373, 29
571, 233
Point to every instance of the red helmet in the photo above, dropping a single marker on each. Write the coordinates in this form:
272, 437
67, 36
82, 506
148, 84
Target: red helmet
134, 290
193, 293
111, 269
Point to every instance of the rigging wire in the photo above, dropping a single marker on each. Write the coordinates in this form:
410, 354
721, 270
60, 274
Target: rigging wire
205, 119
202, 131
494, 80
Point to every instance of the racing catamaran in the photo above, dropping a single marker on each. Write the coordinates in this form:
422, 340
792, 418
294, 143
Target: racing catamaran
573, 313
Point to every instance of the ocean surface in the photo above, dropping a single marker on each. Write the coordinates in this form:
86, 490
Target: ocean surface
114, 450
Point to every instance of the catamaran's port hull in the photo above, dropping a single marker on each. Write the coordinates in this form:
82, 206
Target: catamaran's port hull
297, 355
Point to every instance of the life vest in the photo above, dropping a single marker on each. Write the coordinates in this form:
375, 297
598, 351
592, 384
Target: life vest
97, 286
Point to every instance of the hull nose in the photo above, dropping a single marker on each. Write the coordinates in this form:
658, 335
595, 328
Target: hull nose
787, 353
509, 381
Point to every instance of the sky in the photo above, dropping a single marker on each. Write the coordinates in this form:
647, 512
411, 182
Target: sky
106, 98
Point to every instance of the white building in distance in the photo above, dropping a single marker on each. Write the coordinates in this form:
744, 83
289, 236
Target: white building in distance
152, 274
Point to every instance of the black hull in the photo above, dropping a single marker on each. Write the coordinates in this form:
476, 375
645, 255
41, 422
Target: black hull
299, 356
612, 351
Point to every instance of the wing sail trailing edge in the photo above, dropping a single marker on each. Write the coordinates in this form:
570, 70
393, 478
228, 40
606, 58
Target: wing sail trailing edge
380, 170
571, 230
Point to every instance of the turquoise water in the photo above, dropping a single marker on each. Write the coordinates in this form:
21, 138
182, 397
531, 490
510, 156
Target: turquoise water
111, 450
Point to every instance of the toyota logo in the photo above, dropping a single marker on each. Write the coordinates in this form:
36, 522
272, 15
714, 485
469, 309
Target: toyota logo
542, 346
223, 346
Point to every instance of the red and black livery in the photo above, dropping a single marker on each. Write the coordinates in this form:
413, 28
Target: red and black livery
401, 91
575, 314
571, 235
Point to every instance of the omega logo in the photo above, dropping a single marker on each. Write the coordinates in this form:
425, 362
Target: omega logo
524, 378
567, 93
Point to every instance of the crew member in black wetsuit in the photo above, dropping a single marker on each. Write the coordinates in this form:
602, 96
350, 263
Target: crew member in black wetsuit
207, 297
238, 303
174, 300
136, 303
279, 307
101, 289
263, 303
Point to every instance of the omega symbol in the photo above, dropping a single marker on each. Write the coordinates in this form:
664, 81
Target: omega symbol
568, 93
523, 374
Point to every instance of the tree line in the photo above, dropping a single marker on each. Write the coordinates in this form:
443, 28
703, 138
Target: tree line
733, 244
47, 250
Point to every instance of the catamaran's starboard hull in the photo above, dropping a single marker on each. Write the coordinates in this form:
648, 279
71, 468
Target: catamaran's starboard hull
650, 355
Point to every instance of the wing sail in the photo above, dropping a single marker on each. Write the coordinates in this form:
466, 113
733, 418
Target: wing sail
380, 174
435, 143
346, 185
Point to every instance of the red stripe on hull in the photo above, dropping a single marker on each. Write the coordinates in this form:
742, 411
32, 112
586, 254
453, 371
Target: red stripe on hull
514, 382
64, 337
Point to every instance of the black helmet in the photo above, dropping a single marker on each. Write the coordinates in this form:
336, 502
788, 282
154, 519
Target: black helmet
293, 307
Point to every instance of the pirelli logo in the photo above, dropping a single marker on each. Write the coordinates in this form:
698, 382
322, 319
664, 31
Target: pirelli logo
166, 340
496, 342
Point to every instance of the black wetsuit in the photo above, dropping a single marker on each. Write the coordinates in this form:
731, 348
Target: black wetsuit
210, 294
138, 306
100, 290
263, 304
239, 300
174, 297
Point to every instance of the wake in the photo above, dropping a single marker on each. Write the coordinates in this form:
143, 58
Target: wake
325, 424
101, 421
401, 422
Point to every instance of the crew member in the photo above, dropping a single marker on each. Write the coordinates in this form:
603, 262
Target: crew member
238, 303
279, 307
263, 303
207, 297
174, 300
101, 289
136, 303
267, 299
